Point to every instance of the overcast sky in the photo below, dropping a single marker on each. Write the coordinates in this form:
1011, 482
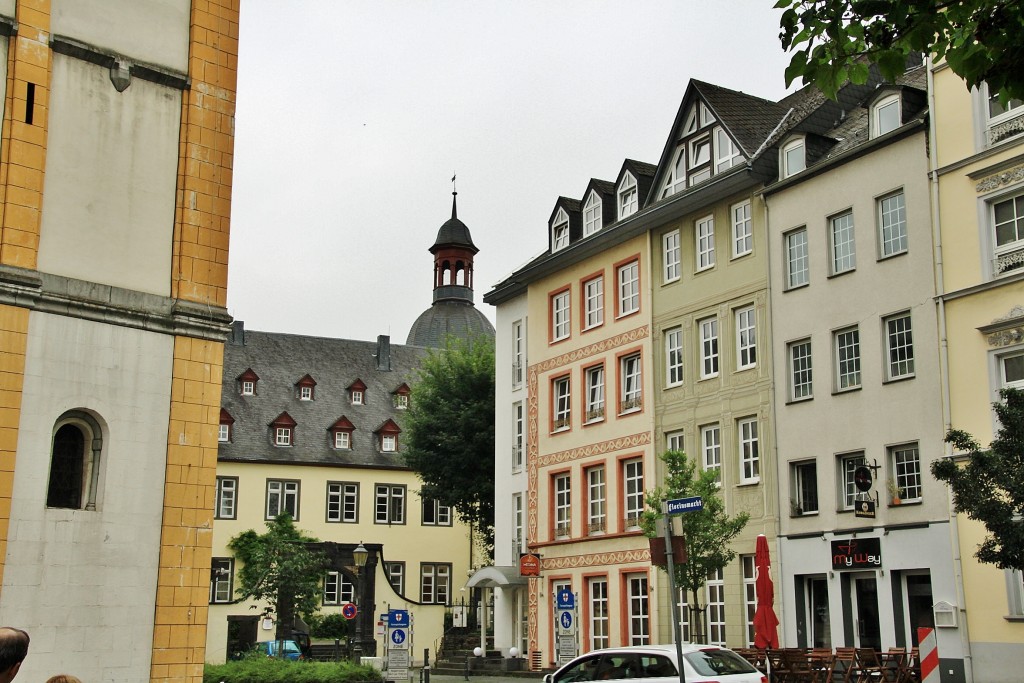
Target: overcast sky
353, 116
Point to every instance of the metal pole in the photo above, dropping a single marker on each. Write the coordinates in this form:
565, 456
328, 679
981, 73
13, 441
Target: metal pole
677, 634
357, 649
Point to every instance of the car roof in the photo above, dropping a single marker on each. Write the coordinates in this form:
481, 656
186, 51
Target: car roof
666, 649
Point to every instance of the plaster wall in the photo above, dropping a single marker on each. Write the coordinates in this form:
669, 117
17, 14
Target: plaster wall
151, 31
8, 8
112, 159
83, 582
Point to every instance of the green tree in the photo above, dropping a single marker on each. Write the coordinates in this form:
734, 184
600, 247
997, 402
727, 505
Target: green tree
834, 40
280, 571
708, 531
989, 485
450, 428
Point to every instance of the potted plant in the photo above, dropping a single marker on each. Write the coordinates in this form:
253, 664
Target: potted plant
796, 507
895, 492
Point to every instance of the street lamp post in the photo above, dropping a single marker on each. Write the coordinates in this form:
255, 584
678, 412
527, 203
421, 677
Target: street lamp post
359, 554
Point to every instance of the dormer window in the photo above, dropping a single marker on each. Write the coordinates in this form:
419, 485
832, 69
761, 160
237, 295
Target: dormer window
387, 435
304, 388
341, 434
357, 393
885, 115
283, 430
224, 431
628, 199
793, 157
247, 383
401, 396
592, 214
560, 231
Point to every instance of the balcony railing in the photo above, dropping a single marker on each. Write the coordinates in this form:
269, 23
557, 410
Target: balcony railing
1010, 258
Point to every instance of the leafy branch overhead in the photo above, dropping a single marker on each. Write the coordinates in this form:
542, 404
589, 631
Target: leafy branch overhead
835, 40
989, 485
450, 427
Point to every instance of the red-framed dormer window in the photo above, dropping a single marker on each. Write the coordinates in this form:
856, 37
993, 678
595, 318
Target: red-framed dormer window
226, 422
305, 388
282, 430
401, 395
387, 436
247, 383
341, 434
357, 393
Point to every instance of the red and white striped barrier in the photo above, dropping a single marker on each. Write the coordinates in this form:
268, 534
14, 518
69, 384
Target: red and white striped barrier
929, 653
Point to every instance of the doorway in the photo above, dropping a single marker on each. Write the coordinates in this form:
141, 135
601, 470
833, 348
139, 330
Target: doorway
919, 604
818, 612
241, 635
865, 612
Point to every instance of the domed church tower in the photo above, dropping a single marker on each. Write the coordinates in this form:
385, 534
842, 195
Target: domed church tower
452, 312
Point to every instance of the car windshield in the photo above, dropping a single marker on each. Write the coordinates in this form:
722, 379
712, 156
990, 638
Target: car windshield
718, 662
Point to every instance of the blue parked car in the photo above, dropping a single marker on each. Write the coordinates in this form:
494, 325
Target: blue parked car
289, 650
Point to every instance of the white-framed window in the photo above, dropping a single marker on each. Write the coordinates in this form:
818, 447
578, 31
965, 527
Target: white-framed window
389, 504
628, 201
595, 393
805, 487
560, 320
343, 502
597, 500
222, 573
1015, 592
848, 492
223, 433
885, 115
705, 236
560, 231
561, 403
518, 524
357, 397
632, 493
892, 224
708, 347
282, 496
674, 356
338, 589
711, 449
401, 401
746, 338
518, 432
592, 214
342, 440
435, 514
706, 117
631, 382
518, 353
997, 111
593, 302
388, 443
435, 583
1000, 121
700, 159
638, 609
305, 393
742, 229
1011, 371
226, 504
899, 346
597, 594
629, 288
674, 441
1007, 216
248, 388
684, 611
798, 271
750, 455
395, 573
800, 370
847, 356
793, 157
841, 241
676, 177
282, 436
715, 588
670, 244
727, 154
561, 485
905, 461
749, 596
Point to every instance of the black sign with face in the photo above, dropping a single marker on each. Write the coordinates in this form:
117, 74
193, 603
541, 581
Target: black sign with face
857, 553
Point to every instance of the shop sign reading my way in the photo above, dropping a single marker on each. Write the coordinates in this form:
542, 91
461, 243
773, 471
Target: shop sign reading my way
857, 553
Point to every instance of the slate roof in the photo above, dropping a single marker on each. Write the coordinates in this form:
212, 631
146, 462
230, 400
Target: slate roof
749, 120
454, 232
443, 318
281, 360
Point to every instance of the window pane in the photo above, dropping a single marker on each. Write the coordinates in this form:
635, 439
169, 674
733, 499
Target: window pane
797, 264
843, 250
893, 224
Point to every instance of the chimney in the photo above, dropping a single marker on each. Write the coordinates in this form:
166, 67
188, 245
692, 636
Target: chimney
384, 353
237, 333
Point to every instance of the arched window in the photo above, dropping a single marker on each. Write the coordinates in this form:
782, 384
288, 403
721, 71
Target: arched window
74, 462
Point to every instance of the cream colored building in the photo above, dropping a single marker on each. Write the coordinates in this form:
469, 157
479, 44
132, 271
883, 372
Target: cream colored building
977, 171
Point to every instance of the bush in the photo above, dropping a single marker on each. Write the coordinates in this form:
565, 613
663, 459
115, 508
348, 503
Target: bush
266, 670
329, 626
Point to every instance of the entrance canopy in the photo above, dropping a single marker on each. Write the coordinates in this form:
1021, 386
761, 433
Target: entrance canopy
496, 577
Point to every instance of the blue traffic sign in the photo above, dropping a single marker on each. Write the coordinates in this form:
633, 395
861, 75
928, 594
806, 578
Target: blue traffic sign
565, 599
398, 618
678, 505
398, 636
566, 619
349, 611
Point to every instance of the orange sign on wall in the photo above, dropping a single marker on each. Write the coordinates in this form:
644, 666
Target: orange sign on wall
529, 564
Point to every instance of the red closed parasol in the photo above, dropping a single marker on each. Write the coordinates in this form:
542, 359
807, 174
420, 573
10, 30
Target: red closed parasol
766, 624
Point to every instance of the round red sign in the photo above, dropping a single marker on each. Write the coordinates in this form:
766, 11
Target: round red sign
349, 611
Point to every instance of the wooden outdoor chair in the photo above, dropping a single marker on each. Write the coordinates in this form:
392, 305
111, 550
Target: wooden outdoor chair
844, 665
869, 666
893, 663
798, 667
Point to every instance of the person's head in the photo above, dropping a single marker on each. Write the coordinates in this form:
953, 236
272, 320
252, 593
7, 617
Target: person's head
13, 649
63, 678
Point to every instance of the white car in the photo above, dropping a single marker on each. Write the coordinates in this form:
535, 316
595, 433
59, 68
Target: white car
657, 664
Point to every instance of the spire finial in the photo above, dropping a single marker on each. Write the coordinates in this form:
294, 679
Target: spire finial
454, 195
